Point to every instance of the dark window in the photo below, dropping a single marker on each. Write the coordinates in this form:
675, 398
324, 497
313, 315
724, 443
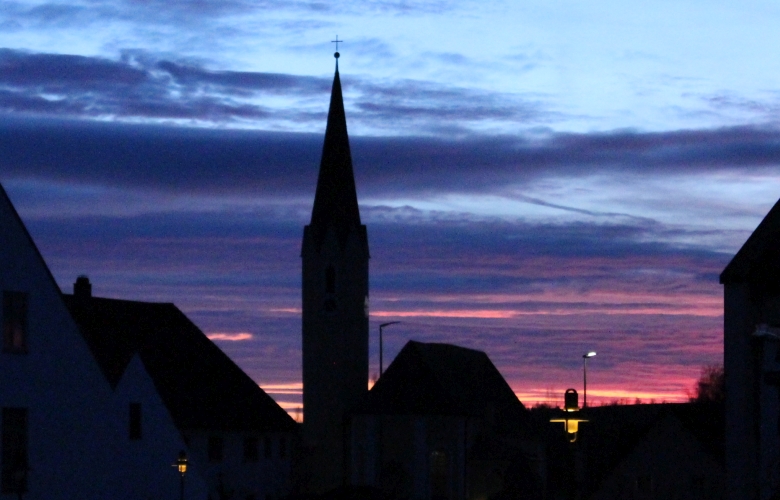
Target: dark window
439, 476
251, 449
14, 322
216, 445
135, 421
330, 280
14, 451
644, 484
282, 448
267, 449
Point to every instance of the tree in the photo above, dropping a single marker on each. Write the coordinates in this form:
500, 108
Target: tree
711, 386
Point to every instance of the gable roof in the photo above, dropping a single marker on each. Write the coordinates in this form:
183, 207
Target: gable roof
199, 384
759, 258
441, 379
9, 206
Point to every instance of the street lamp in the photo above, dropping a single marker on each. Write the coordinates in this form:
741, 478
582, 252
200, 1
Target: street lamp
585, 358
570, 420
181, 465
381, 366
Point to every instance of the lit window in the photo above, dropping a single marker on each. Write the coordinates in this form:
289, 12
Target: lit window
14, 451
135, 421
15, 322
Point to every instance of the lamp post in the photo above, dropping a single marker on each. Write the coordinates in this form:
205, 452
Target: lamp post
585, 358
181, 465
381, 366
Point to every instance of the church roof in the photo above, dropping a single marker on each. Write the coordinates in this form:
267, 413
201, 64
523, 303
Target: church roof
201, 387
759, 258
441, 379
335, 201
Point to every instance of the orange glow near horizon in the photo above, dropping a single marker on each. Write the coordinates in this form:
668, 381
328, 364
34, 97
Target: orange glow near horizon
231, 337
288, 388
530, 397
599, 397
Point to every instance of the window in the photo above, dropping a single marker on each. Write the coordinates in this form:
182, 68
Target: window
215, 448
439, 475
15, 322
267, 451
14, 451
282, 448
330, 280
644, 486
251, 449
135, 421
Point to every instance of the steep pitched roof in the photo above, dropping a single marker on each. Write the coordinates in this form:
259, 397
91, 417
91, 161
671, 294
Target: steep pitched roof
759, 258
201, 387
441, 379
335, 201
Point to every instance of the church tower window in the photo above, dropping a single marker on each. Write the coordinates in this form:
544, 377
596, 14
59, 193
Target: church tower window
330, 280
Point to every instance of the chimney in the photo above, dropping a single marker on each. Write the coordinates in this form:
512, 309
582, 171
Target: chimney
82, 288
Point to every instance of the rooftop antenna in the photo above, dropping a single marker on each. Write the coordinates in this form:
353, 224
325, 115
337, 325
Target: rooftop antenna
336, 54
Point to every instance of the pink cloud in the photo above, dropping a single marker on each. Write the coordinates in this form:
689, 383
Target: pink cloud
232, 337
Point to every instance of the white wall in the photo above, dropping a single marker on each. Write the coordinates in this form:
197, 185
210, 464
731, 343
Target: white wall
76, 450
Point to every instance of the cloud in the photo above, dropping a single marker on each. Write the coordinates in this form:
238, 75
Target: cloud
179, 159
231, 337
143, 87
520, 290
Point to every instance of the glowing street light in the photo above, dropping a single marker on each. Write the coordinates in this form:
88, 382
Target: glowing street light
585, 358
570, 419
181, 465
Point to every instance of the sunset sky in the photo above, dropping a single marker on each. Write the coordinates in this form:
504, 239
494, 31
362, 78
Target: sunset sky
539, 179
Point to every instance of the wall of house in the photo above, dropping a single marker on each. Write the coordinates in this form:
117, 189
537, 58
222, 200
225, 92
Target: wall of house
410, 456
752, 404
668, 464
234, 474
74, 443
152, 455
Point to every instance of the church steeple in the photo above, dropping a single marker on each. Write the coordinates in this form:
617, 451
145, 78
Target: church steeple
335, 201
334, 306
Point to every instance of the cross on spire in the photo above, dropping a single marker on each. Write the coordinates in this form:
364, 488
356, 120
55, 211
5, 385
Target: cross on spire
337, 42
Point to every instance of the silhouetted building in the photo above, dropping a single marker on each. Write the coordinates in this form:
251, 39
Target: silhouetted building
335, 307
240, 438
752, 363
66, 431
643, 451
442, 423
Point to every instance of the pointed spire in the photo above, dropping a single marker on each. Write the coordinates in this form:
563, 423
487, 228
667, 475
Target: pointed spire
335, 202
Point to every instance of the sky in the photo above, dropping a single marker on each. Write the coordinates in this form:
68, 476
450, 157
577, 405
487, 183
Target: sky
539, 179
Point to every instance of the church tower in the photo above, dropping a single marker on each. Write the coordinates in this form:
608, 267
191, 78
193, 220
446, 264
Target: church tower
335, 305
